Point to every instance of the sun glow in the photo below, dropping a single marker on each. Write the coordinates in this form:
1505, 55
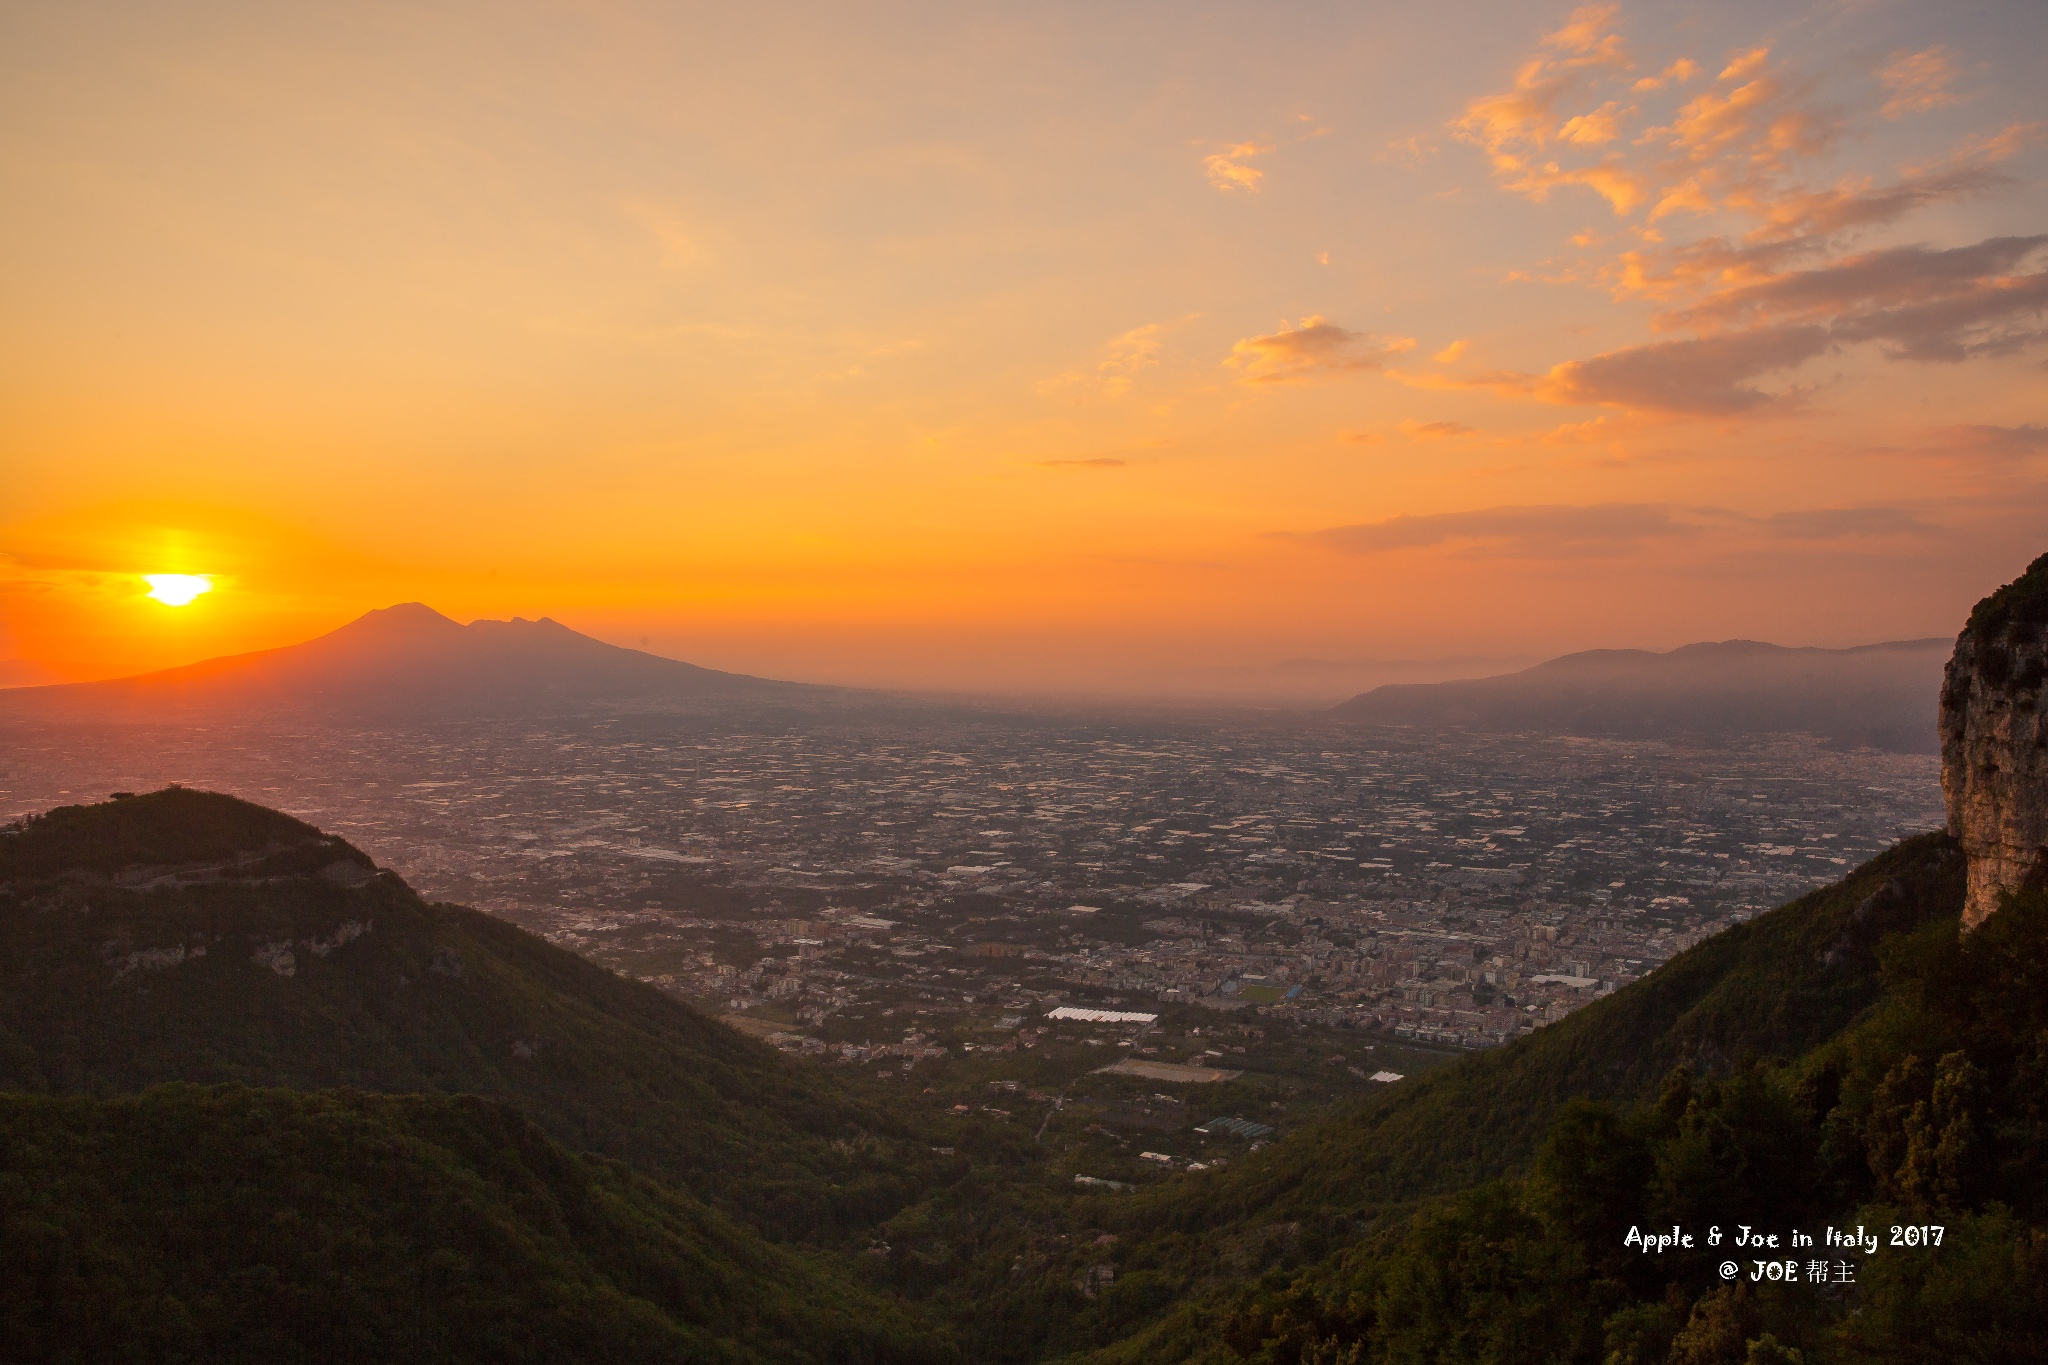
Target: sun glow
177, 589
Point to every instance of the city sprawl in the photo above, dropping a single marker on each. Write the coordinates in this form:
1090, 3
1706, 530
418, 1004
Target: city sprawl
795, 871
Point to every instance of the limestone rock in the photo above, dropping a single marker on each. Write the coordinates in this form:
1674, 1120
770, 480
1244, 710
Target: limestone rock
1994, 741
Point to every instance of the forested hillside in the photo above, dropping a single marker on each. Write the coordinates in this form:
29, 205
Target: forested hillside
1927, 1109
187, 936
1847, 1059
227, 1224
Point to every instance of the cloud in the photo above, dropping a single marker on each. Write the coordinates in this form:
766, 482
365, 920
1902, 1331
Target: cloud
1450, 352
1566, 531
1753, 121
1099, 462
1408, 151
1918, 81
1987, 318
1553, 531
1122, 358
1840, 523
1593, 128
1568, 120
1517, 123
1796, 227
1227, 172
1611, 180
1701, 376
1781, 293
1135, 350
1916, 302
1818, 214
1920, 302
1436, 431
1317, 348
1679, 72
1989, 442
1997, 146
1873, 280
1577, 118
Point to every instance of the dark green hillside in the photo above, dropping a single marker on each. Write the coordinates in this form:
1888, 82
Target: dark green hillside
1929, 1111
1773, 987
225, 1224
2024, 601
299, 967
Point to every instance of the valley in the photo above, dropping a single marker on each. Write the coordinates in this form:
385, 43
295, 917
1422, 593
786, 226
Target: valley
813, 869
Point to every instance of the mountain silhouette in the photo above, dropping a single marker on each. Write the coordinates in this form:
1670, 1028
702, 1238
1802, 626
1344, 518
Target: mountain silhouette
411, 659
1883, 695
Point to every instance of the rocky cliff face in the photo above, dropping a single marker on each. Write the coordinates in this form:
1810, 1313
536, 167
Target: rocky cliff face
1994, 741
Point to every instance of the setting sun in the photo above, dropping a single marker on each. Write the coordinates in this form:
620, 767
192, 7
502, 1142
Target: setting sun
177, 589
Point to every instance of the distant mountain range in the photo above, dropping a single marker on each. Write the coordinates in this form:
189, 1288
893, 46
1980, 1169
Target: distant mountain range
1884, 695
411, 659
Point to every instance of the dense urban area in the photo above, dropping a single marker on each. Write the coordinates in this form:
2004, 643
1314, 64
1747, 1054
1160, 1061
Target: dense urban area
806, 874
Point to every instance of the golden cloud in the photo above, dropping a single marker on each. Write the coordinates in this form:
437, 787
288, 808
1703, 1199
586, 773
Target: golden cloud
1511, 125
1316, 349
1227, 172
1764, 303
1436, 431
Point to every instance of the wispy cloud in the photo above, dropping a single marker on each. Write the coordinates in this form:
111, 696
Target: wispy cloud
1411, 151
1918, 81
1923, 303
1228, 172
1567, 531
1842, 523
1529, 532
1123, 357
1436, 431
1987, 441
1791, 288
1916, 303
1316, 349
1700, 376
1986, 317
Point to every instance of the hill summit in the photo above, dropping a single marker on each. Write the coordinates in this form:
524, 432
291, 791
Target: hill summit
175, 834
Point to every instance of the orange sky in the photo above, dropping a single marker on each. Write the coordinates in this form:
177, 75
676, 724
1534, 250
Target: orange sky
1061, 346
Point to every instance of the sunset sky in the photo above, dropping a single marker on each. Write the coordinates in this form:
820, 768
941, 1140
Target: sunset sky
1067, 346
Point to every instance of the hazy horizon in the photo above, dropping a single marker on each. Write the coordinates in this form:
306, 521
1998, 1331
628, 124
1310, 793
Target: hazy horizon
1293, 682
